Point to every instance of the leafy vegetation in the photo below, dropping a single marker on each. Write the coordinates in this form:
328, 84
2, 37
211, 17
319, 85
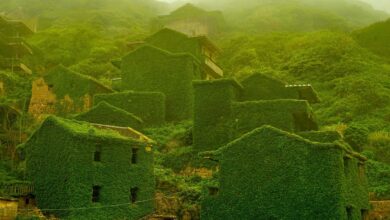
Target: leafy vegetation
324, 43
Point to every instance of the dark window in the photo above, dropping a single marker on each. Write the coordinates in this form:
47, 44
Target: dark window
134, 155
98, 154
346, 165
213, 191
364, 214
50, 86
349, 213
133, 194
96, 193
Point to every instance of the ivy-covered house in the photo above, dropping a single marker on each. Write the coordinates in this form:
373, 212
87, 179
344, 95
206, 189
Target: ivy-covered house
272, 174
10, 134
147, 106
259, 86
221, 114
192, 21
106, 114
61, 91
84, 172
13, 47
199, 46
151, 69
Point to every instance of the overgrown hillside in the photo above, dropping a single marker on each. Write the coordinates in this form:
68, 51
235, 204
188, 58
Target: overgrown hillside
297, 15
353, 83
375, 38
335, 45
84, 35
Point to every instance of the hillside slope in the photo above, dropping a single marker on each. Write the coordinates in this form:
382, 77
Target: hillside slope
376, 38
354, 84
297, 15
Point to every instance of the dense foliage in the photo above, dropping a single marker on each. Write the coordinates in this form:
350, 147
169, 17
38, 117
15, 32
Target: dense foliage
323, 43
352, 83
309, 176
106, 114
148, 106
170, 74
61, 161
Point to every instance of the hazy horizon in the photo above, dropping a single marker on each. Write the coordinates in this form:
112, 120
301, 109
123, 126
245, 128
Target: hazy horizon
383, 5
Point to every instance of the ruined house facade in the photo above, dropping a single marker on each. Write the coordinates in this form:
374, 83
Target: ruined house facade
272, 174
76, 165
192, 21
62, 91
167, 62
199, 46
150, 69
224, 110
13, 47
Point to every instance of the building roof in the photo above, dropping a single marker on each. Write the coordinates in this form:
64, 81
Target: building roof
188, 9
203, 40
147, 47
262, 75
62, 71
78, 128
306, 91
266, 131
19, 26
231, 81
127, 132
110, 114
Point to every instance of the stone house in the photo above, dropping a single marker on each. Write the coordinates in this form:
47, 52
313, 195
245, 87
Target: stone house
272, 174
222, 113
62, 91
192, 21
200, 47
89, 172
13, 47
151, 69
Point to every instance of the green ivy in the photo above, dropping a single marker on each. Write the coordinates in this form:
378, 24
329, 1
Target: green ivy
272, 174
150, 69
104, 113
60, 163
149, 106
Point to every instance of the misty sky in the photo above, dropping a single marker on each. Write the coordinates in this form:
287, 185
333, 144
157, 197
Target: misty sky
378, 4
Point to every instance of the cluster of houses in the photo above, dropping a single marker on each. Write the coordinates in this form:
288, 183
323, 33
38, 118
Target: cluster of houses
92, 161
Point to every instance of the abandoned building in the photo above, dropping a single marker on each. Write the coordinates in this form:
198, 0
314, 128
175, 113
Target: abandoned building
192, 21
259, 86
285, 176
230, 112
106, 114
200, 47
10, 133
75, 165
148, 106
168, 62
150, 69
13, 47
62, 91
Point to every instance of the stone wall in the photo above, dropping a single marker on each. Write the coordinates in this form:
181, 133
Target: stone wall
8, 209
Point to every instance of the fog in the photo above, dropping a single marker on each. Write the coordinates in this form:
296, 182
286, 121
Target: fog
383, 5
379, 4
